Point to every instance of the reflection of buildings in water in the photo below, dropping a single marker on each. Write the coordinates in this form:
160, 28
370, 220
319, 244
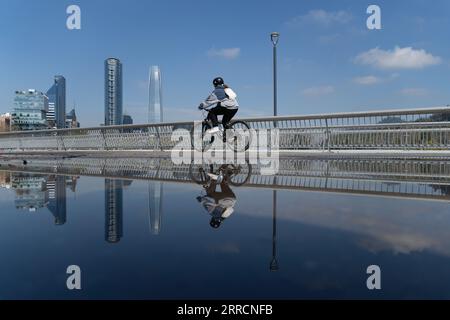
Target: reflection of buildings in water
71, 183
155, 195
113, 210
444, 189
57, 203
31, 191
34, 192
5, 179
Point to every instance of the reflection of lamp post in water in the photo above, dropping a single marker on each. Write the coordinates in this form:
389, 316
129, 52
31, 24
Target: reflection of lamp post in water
274, 263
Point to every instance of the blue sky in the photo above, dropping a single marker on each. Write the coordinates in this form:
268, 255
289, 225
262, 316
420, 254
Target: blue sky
328, 60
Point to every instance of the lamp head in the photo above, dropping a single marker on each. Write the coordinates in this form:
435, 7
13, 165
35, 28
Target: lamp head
274, 36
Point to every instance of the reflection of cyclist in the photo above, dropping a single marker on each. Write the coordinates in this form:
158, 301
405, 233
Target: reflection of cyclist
220, 205
227, 104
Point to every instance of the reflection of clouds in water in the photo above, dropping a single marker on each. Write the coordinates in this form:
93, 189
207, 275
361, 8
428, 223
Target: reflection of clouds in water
401, 226
399, 243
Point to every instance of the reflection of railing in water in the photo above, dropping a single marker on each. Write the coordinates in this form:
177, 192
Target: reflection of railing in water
426, 129
411, 178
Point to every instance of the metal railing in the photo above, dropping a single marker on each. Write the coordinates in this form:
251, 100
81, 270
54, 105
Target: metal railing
409, 129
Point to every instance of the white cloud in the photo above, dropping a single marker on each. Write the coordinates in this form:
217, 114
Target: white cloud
367, 80
225, 53
318, 91
414, 92
399, 58
321, 17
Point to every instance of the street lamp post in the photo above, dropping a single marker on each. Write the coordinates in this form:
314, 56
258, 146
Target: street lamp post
274, 37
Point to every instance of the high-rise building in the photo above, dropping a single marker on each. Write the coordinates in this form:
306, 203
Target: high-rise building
71, 120
113, 210
127, 119
155, 115
5, 122
56, 114
113, 92
30, 111
155, 106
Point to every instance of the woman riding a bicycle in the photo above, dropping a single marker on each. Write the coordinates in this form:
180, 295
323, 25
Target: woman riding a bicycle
227, 105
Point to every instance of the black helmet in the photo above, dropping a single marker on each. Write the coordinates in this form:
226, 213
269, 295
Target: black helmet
215, 222
218, 81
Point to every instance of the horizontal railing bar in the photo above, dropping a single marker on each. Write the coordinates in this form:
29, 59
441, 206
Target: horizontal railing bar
382, 113
356, 114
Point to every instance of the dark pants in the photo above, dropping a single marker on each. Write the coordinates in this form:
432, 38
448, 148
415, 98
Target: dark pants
219, 110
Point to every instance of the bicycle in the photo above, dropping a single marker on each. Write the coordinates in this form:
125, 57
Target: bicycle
236, 175
238, 141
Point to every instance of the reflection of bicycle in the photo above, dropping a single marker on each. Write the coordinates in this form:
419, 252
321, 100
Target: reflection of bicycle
238, 132
236, 175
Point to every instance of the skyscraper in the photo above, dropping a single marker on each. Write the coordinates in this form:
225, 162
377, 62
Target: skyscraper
56, 115
155, 107
113, 92
155, 115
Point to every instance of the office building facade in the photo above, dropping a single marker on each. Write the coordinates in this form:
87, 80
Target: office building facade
5, 122
30, 111
127, 119
113, 92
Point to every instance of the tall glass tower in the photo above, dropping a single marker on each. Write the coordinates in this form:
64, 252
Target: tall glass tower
57, 103
155, 115
113, 92
155, 107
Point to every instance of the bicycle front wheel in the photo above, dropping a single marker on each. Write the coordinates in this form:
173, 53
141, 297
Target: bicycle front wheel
198, 140
238, 136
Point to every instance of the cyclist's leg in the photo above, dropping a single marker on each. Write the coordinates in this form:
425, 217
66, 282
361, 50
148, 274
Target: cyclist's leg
213, 113
228, 115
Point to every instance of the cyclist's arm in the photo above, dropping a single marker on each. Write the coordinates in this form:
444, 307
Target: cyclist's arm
212, 99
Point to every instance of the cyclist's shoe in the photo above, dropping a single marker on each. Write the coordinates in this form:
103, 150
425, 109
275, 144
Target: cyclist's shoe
213, 176
213, 130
